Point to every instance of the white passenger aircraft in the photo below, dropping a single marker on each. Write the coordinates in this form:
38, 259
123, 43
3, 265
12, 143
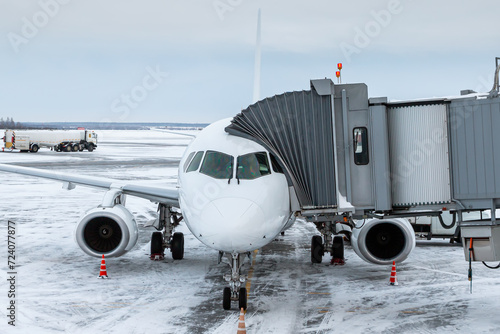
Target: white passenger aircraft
232, 194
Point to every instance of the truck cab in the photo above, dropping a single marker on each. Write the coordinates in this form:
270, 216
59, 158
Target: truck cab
91, 137
8, 139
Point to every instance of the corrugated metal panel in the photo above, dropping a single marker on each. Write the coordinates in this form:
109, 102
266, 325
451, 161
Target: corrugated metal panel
298, 128
475, 147
419, 155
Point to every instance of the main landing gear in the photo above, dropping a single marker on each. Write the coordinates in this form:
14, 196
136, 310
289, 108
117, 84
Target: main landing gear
236, 290
326, 243
167, 221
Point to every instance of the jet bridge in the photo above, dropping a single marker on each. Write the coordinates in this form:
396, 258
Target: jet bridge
350, 156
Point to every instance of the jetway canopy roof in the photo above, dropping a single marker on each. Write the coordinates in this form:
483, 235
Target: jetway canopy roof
297, 127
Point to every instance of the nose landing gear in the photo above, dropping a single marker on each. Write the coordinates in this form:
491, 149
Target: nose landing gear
236, 291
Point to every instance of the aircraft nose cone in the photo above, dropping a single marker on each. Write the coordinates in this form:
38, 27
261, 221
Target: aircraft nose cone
234, 213
233, 224
232, 208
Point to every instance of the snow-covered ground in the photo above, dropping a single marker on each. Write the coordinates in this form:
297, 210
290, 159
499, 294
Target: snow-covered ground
57, 289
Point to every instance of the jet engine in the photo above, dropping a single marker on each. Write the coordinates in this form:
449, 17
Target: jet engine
111, 231
382, 241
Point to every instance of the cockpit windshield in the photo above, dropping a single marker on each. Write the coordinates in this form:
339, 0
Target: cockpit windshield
217, 165
252, 166
195, 163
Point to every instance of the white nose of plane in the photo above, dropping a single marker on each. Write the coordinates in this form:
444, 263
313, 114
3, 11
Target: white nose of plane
233, 225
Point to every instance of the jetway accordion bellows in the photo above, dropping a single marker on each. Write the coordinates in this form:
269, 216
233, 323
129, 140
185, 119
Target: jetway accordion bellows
297, 127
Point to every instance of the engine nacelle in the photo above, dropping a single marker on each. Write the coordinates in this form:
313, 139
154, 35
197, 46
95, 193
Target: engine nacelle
382, 241
111, 231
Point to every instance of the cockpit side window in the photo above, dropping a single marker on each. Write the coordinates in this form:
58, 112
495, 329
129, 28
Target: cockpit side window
217, 165
276, 166
252, 166
188, 160
195, 163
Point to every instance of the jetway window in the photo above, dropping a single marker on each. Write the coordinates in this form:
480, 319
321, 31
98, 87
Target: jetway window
195, 163
252, 166
217, 165
360, 144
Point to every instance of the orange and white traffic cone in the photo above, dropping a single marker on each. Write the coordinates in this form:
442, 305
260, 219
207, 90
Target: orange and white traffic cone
241, 323
103, 273
394, 279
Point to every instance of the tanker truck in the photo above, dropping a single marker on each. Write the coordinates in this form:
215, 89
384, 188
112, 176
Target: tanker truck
57, 140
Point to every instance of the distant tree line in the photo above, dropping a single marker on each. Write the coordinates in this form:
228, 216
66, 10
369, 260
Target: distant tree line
10, 124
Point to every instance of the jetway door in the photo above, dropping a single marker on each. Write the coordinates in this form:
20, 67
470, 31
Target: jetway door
419, 159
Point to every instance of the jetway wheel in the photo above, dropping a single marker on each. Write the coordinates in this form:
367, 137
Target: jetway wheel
226, 299
317, 249
178, 246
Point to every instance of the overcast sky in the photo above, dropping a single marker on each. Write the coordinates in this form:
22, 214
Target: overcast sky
193, 60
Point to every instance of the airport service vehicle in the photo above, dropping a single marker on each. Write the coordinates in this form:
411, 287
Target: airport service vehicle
58, 140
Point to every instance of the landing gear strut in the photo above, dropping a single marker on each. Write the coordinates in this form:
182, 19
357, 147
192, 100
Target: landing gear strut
167, 221
235, 291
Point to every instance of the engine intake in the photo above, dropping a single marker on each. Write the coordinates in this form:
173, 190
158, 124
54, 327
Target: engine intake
382, 241
111, 231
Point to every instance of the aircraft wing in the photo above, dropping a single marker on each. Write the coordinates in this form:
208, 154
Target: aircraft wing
156, 194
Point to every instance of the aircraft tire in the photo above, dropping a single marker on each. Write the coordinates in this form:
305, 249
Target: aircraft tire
157, 243
178, 246
338, 247
243, 299
316, 249
226, 299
